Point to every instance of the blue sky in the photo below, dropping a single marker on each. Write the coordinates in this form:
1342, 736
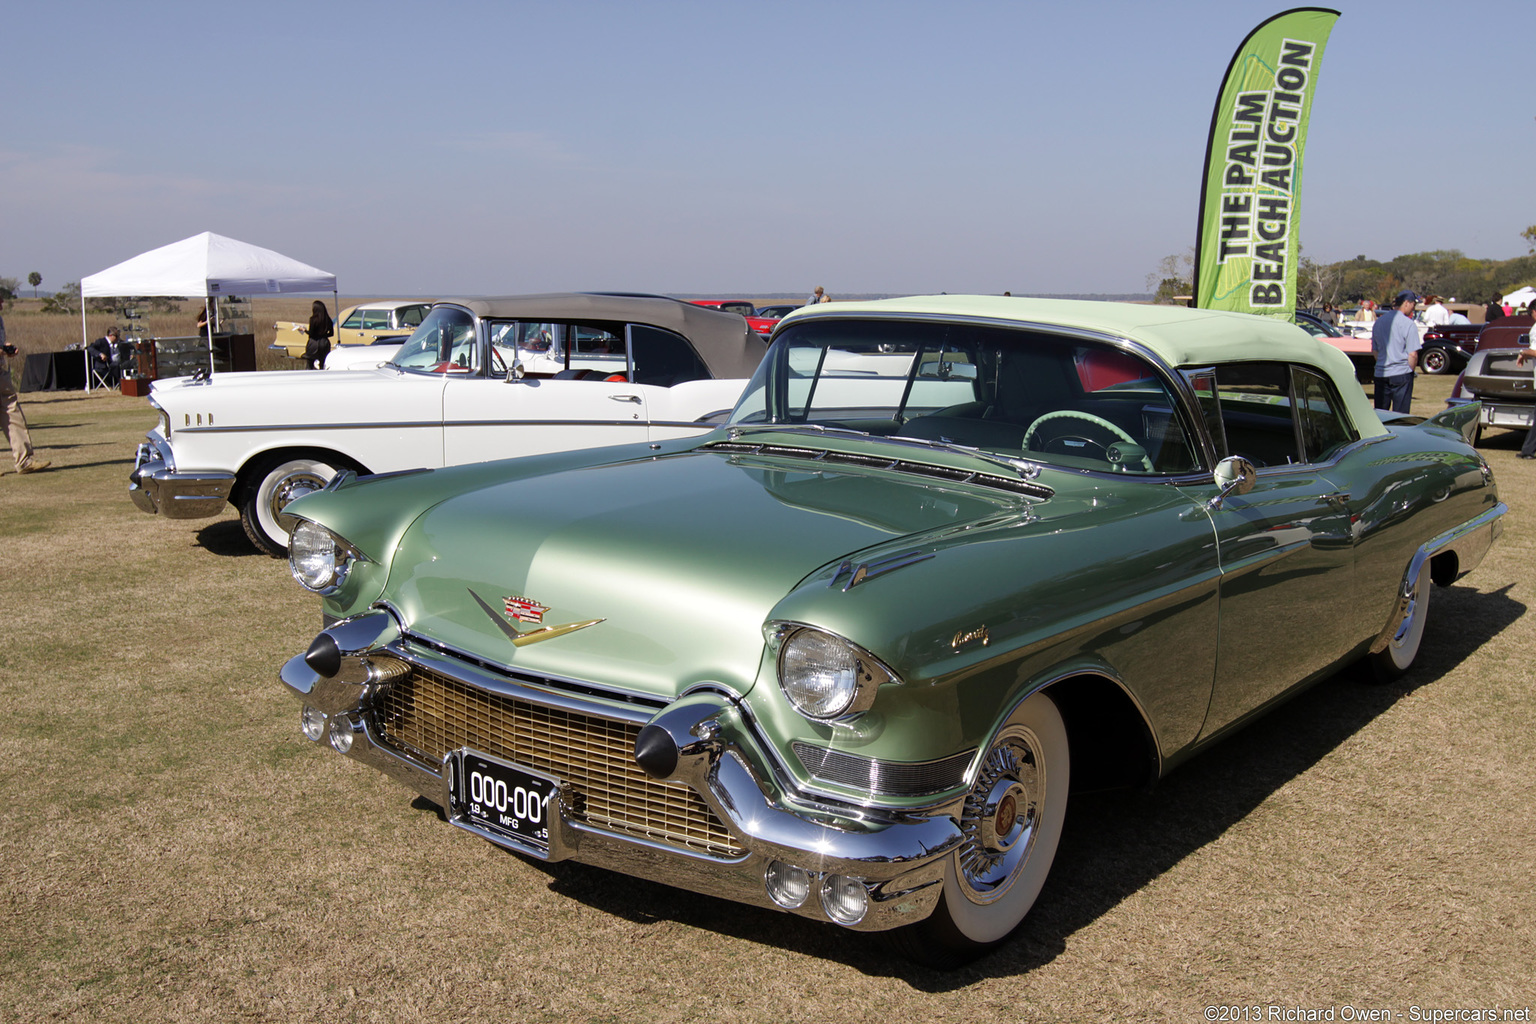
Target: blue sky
709, 148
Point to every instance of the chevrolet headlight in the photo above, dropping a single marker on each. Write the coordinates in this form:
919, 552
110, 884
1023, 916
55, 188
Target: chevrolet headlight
825, 676
318, 558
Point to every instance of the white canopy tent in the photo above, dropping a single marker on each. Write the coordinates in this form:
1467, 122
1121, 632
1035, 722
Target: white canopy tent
1523, 297
208, 266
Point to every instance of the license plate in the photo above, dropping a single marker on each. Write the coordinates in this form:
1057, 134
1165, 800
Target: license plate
503, 799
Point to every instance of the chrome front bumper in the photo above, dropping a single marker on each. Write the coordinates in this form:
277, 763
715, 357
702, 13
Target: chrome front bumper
900, 858
156, 487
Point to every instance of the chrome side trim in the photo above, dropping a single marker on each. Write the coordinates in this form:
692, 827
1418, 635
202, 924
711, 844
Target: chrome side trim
267, 428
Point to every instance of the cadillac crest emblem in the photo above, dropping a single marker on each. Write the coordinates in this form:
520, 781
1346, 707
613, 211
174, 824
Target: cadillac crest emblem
522, 609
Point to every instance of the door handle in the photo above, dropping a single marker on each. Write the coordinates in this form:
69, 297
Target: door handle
625, 398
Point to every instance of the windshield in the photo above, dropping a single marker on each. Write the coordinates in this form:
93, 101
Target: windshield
444, 343
1318, 328
1066, 401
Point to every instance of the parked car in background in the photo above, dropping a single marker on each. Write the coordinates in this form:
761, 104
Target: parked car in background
357, 325
479, 379
743, 308
777, 311
1494, 379
951, 558
365, 357
1446, 349
1356, 348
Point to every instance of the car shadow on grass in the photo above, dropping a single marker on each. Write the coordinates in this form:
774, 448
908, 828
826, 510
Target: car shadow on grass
227, 537
1114, 844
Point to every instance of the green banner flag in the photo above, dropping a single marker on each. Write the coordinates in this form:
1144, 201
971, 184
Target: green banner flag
1249, 239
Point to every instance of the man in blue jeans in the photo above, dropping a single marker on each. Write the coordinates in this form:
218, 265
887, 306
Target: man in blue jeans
1395, 341
1528, 449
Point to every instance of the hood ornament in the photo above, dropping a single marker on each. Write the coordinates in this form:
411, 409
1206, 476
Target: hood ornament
525, 610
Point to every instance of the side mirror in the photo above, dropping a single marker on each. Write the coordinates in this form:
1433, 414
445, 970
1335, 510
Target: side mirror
1234, 475
515, 372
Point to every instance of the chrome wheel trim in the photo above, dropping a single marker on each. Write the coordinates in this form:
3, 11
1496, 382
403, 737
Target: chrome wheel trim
284, 484
1404, 646
988, 889
1001, 817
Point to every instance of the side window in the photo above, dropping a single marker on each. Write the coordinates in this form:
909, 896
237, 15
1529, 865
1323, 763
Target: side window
1204, 384
1276, 414
1323, 430
1256, 415
376, 320
353, 321
663, 358
411, 316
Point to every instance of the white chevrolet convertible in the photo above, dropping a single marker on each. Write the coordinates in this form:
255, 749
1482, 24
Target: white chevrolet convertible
479, 379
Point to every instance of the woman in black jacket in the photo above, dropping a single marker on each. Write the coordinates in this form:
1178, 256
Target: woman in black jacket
321, 330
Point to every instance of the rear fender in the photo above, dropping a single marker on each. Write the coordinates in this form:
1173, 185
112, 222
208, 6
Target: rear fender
1462, 418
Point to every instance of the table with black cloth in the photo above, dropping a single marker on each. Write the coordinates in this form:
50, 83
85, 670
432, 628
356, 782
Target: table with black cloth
53, 371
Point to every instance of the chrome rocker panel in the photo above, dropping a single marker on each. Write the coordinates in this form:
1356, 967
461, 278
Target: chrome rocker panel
900, 857
156, 487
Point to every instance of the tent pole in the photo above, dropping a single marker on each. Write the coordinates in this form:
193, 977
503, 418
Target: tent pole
85, 352
213, 325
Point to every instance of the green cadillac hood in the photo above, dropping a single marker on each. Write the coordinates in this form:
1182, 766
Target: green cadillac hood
680, 558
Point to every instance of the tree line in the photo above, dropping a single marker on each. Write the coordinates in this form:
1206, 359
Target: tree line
1445, 272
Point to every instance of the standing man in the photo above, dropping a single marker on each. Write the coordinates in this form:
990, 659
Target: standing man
1395, 341
1435, 313
11, 420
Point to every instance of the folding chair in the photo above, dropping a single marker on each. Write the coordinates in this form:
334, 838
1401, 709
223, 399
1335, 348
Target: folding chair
96, 375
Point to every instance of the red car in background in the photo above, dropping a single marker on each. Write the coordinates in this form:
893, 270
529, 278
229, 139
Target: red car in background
741, 307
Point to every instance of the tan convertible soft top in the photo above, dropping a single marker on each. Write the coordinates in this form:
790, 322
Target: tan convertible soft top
729, 348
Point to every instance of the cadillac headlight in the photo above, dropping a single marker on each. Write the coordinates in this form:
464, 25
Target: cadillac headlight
825, 676
318, 558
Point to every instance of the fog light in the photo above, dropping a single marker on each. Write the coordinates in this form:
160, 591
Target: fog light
312, 722
844, 899
788, 886
341, 735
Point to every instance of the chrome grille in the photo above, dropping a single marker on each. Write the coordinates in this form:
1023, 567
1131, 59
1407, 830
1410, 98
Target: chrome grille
430, 714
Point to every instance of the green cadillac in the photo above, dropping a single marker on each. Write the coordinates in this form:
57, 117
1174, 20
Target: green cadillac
848, 655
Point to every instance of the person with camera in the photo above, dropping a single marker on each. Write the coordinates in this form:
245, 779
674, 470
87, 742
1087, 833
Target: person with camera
11, 420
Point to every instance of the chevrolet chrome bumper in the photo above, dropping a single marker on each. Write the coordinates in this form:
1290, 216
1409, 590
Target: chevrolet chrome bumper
900, 859
156, 487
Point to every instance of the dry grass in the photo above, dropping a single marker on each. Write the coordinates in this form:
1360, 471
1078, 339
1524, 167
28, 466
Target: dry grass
174, 851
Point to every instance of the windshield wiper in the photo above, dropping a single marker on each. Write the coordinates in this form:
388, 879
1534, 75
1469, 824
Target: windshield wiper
1024, 467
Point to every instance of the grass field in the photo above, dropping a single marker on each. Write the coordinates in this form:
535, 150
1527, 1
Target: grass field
172, 849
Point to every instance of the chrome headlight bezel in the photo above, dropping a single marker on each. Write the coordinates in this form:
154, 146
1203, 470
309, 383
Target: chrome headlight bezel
823, 676
319, 559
